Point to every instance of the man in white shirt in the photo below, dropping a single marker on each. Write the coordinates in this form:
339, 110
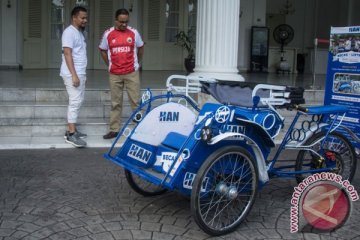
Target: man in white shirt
73, 71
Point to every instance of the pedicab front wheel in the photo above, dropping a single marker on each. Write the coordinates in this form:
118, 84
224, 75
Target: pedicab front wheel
142, 186
224, 190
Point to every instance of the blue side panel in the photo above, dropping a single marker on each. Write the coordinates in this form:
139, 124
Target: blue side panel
137, 153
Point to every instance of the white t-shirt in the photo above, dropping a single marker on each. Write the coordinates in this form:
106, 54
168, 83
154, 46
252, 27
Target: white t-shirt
74, 39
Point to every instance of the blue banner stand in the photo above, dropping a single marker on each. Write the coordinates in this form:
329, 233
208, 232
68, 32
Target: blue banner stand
343, 74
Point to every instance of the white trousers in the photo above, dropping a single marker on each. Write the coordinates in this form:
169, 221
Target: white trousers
76, 97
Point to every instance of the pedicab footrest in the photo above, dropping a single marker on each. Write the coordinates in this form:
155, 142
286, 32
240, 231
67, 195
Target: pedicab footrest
147, 173
167, 152
174, 140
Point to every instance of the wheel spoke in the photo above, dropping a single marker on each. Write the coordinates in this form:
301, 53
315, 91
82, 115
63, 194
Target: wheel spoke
229, 192
335, 144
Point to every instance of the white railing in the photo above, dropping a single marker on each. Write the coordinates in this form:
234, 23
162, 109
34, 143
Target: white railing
186, 84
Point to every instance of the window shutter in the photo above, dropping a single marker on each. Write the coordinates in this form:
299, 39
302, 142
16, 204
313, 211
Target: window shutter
34, 19
154, 20
106, 14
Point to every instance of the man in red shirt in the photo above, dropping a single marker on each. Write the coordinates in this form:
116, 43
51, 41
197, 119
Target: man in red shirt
122, 48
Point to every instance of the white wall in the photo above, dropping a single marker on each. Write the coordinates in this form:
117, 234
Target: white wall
9, 36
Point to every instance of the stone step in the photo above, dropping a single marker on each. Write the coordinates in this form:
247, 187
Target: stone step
38, 110
51, 127
49, 95
96, 95
49, 133
36, 118
56, 95
51, 142
49, 110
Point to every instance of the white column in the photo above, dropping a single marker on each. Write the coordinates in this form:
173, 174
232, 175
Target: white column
217, 39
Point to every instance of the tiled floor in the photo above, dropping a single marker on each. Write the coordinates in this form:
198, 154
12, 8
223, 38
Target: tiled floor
98, 79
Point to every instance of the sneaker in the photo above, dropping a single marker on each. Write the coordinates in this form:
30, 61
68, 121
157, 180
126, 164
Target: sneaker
75, 140
78, 134
110, 135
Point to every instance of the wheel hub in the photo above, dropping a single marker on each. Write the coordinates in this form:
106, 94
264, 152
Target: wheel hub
224, 190
233, 193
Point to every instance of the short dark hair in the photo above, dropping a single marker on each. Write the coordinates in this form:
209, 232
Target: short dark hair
76, 10
121, 11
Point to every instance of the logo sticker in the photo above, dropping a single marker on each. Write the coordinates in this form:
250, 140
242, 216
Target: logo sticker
165, 160
189, 179
235, 129
138, 153
169, 116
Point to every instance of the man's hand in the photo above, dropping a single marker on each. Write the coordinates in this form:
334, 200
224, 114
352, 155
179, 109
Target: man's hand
104, 56
76, 81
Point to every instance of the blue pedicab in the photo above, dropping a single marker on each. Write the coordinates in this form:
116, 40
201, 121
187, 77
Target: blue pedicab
218, 155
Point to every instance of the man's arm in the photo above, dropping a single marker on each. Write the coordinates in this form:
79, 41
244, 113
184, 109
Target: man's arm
140, 54
104, 56
70, 64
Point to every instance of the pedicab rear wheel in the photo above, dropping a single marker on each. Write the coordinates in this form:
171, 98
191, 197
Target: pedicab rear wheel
142, 186
224, 190
336, 146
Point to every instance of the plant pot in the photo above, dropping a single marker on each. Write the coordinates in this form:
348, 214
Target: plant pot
189, 64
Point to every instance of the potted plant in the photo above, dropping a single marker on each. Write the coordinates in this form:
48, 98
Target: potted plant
183, 40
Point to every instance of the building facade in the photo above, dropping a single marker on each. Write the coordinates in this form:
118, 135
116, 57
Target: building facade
30, 30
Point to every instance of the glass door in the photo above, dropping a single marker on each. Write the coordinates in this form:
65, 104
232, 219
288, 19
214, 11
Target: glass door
60, 11
163, 19
58, 20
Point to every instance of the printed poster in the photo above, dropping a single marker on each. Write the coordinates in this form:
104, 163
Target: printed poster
343, 74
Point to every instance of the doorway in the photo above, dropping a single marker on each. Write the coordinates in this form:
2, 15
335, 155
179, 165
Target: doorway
163, 19
45, 21
60, 18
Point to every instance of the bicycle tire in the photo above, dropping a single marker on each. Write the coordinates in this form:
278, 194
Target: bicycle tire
343, 150
142, 186
235, 197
